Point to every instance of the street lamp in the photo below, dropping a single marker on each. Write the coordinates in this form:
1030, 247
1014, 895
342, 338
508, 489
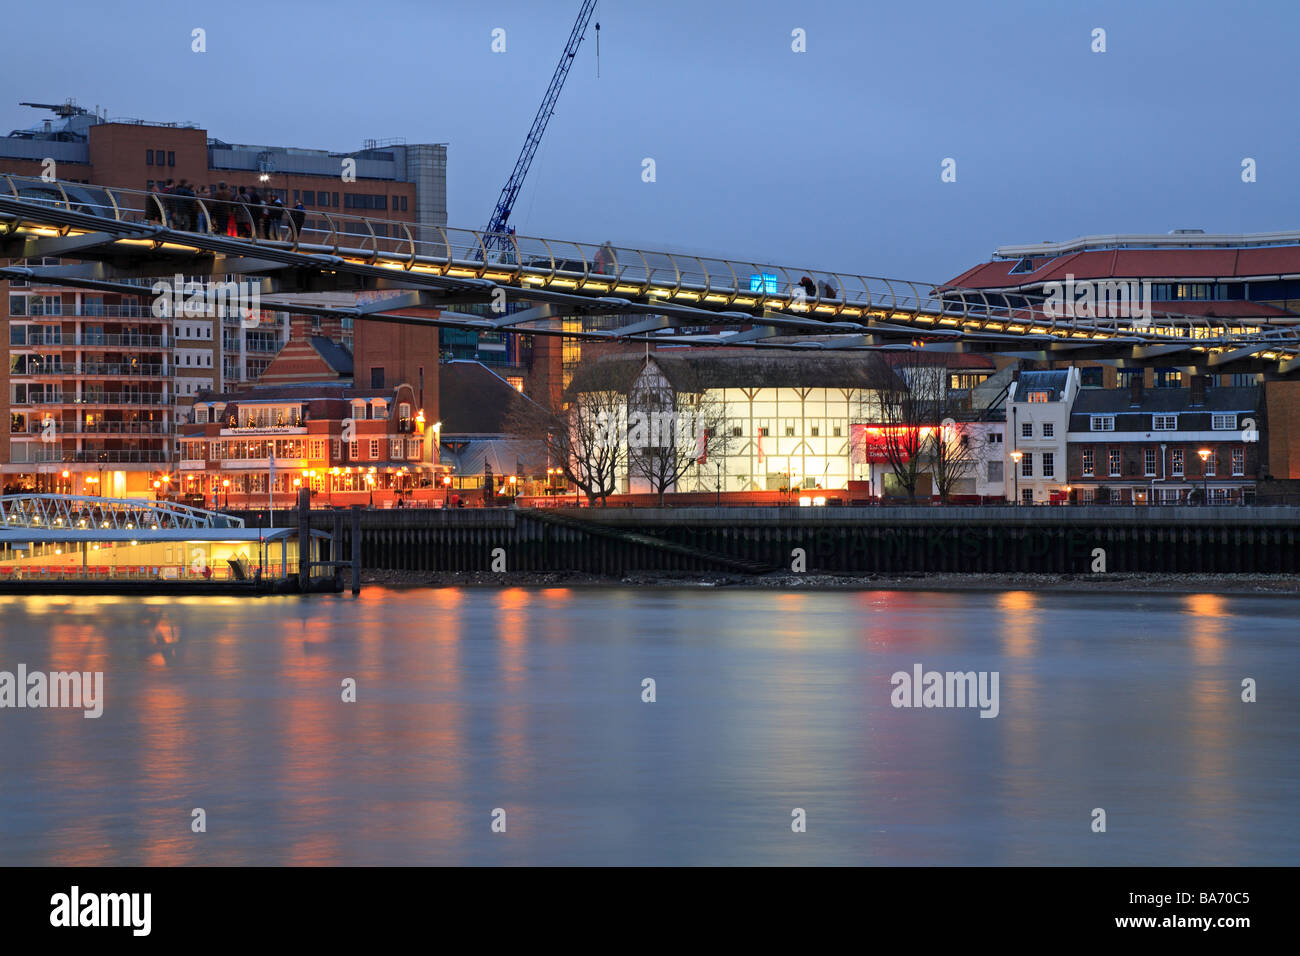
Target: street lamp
446, 487
1015, 471
370, 480
225, 483
1205, 475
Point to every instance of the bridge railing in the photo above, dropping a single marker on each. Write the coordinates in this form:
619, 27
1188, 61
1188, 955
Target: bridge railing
746, 289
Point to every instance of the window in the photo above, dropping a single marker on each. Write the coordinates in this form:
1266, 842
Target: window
1049, 429
318, 449
1027, 496
736, 431
148, 157
1086, 463
1164, 423
1239, 461
995, 438
413, 449
1026, 429
1224, 422
1027, 465
1113, 461
837, 431
1168, 378
395, 449
1039, 397
1148, 461
762, 431
1090, 377
995, 471
374, 449
376, 378
815, 431
1212, 464
1049, 465
1176, 463
354, 451
171, 158
201, 414
1101, 423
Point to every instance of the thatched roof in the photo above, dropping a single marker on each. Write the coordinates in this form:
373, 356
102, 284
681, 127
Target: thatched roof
695, 370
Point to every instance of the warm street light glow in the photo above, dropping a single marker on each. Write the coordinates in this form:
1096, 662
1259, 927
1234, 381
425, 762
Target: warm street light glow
1205, 454
1016, 456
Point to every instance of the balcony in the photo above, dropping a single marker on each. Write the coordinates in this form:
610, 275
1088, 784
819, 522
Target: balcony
113, 340
116, 398
93, 310
132, 369
118, 456
105, 369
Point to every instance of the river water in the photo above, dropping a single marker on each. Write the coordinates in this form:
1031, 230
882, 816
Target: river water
529, 701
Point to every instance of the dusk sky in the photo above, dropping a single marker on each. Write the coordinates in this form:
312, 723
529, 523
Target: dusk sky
830, 158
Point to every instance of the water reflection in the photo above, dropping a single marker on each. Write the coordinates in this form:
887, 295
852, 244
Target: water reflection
530, 700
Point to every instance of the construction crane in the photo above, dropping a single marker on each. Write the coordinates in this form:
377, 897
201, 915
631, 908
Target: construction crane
64, 110
497, 236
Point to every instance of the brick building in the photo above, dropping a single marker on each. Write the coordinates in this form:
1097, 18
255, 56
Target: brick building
1144, 446
349, 445
97, 383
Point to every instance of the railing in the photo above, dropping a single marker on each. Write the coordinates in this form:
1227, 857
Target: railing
123, 369
28, 453
79, 427
734, 289
117, 456
127, 341
117, 398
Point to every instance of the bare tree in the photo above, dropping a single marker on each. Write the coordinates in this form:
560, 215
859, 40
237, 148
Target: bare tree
954, 454
911, 405
582, 436
671, 429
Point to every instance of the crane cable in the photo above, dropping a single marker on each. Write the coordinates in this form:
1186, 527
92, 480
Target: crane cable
598, 49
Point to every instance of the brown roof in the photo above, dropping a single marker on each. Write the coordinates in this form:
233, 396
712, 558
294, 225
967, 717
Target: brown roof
698, 370
474, 400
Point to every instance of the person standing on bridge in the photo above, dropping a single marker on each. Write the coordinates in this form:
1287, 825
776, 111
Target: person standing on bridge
153, 204
243, 214
299, 216
274, 216
221, 208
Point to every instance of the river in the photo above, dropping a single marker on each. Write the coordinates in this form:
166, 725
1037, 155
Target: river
524, 707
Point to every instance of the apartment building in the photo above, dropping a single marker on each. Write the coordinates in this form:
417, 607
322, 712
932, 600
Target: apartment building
96, 383
1038, 418
1166, 446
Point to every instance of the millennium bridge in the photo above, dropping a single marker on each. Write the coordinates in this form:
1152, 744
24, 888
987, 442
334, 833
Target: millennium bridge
109, 239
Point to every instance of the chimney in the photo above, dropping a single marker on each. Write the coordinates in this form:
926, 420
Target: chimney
1135, 390
1199, 384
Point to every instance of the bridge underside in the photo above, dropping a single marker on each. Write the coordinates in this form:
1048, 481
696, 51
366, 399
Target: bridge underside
108, 251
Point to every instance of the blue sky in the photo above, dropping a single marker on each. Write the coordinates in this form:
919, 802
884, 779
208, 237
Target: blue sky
827, 159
